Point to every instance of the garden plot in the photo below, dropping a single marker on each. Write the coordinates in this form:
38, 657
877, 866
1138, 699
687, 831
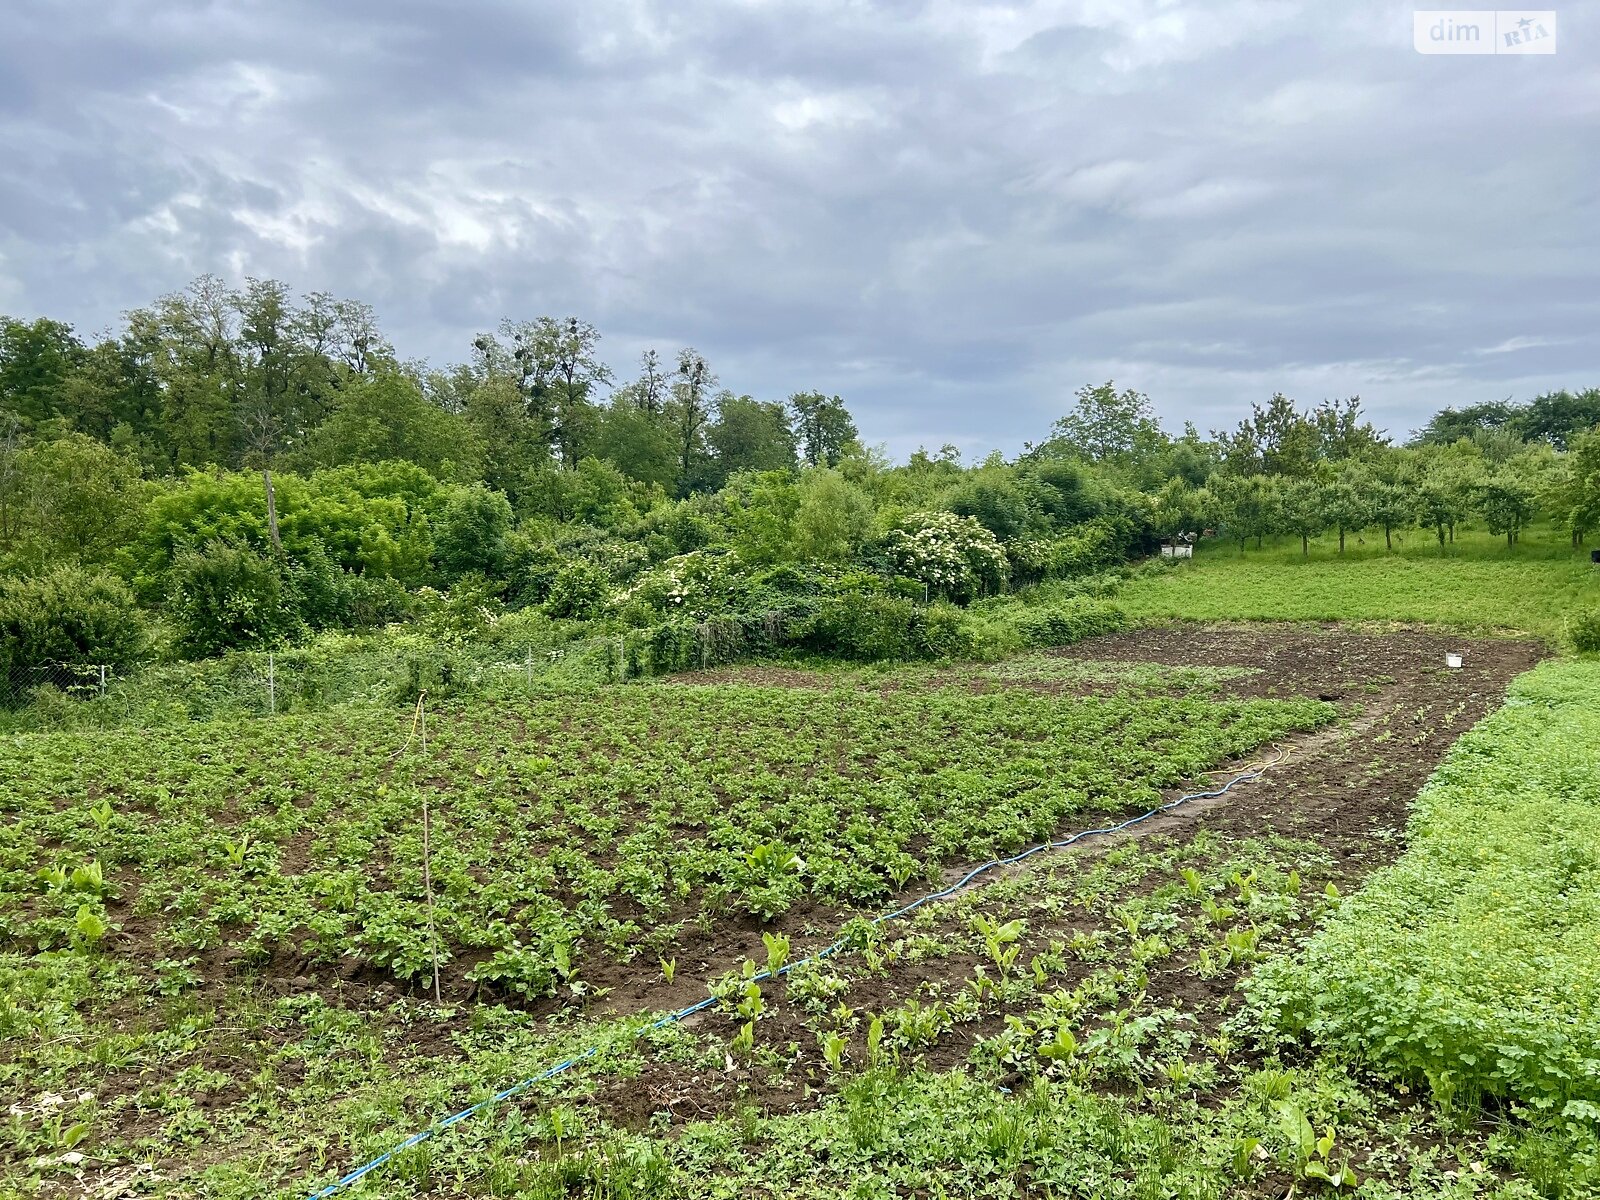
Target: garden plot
239, 988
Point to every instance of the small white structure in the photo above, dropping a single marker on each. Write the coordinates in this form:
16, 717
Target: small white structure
1181, 550
1453, 661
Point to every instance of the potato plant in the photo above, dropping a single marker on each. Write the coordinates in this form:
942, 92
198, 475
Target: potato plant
565, 828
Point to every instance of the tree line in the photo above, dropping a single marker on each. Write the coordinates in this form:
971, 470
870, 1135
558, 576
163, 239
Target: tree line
242, 465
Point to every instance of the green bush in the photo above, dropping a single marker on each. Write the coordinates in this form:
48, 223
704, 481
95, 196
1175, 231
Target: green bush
471, 534
940, 631
580, 589
1470, 965
685, 645
227, 596
1069, 621
440, 673
70, 617
1583, 629
866, 627
370, 601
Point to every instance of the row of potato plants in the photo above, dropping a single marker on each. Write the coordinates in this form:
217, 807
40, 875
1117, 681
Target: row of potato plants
566, 826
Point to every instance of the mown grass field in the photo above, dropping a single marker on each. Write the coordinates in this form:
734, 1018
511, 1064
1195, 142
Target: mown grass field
1474, 584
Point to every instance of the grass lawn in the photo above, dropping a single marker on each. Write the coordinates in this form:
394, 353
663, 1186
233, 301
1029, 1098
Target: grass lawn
1474, 584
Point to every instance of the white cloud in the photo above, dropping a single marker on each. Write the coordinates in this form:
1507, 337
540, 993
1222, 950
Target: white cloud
1511, 345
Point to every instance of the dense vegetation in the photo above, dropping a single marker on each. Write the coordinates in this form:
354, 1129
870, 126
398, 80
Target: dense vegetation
1469, 967
242, 469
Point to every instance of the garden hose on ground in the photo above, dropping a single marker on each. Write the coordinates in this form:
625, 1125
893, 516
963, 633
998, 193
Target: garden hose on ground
1253, 771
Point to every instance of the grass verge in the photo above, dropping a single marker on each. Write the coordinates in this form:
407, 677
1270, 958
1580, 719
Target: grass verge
1470, 964
1474, 584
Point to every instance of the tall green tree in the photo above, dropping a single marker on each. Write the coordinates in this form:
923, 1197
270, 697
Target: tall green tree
750, 435
637, 441
570, 348
189, 340
274, 414
37, 361
513, 442
1451, 425
387, 416
824, 428
1282, 440
1558, 417
691, 410
1107, 426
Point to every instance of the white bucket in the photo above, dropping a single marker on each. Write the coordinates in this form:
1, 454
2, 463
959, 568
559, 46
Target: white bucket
1453, 661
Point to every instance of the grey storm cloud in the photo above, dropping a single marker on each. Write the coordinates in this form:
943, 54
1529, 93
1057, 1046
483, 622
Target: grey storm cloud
953, 213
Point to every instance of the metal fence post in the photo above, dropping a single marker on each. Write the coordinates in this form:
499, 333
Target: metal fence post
102, 681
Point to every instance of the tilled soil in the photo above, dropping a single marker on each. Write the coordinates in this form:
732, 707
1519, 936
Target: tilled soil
1347, 787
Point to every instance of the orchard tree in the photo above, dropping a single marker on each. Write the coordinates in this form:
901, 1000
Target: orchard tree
1583, 489
1302, 511
1444, 496
1347, 501
1506, 501
1176, 508
1394, 496
1246, 506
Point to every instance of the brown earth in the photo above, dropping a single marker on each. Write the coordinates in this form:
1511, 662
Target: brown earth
1347, 787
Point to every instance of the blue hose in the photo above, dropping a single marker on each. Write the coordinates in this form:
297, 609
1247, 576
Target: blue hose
827, 952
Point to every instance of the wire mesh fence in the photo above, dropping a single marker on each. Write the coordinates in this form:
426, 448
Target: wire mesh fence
244, 683
78, 681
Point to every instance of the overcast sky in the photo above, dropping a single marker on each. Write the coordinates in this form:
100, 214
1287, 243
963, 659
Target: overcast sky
952, 213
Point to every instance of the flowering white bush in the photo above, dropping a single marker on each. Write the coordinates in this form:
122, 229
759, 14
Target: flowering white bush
953, 555
696, 583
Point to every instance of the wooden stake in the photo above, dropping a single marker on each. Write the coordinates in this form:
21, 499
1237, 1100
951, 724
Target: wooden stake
421, 724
